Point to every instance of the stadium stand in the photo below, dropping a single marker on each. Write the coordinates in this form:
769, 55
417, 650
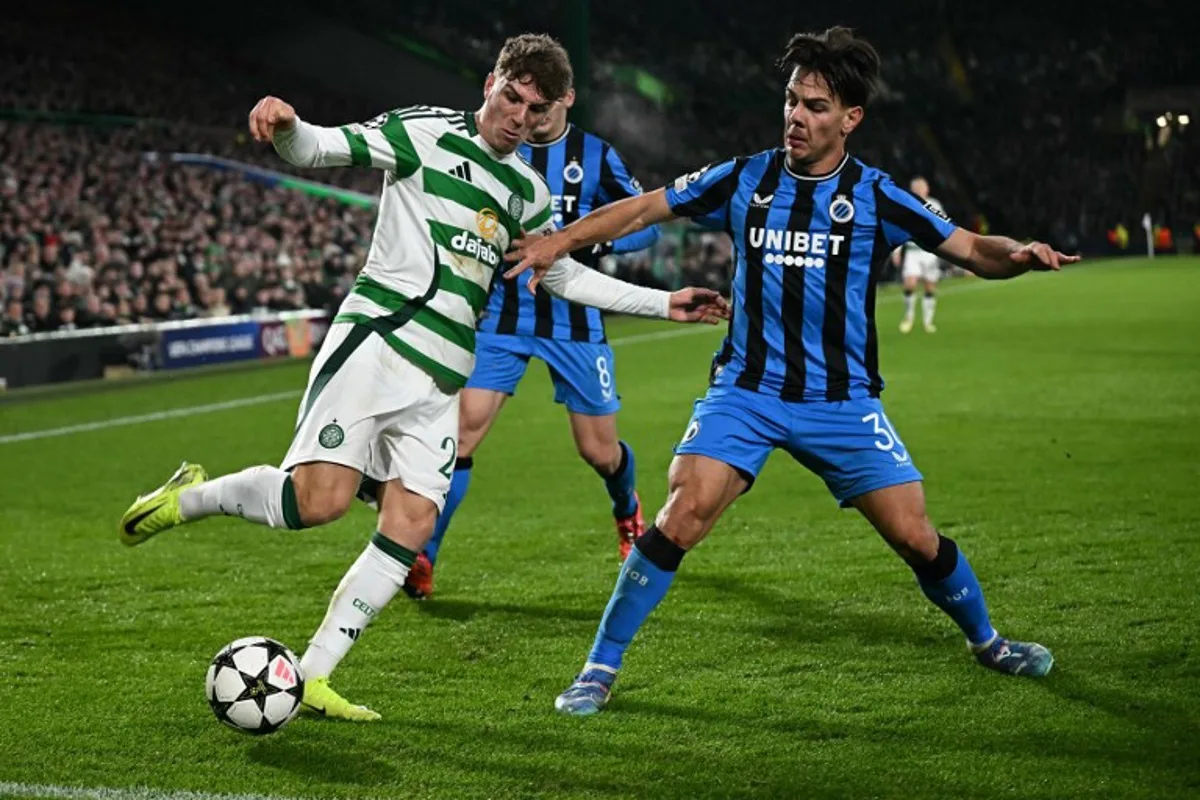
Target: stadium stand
95, 230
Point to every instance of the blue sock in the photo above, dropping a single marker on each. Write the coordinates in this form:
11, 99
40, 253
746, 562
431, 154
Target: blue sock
622, 483
644, 580
458, 490
951, 584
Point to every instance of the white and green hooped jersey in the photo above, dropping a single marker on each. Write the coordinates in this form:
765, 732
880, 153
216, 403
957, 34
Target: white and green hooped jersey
449, 207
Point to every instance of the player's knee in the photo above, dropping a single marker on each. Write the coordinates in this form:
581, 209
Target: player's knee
602, 456
319, 502
409, 521
688, 516
916, 540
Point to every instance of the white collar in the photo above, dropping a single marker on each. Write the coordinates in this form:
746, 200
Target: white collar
553, 142
824, 177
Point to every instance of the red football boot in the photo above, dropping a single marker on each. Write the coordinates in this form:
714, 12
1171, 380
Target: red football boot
629, 529
419, 584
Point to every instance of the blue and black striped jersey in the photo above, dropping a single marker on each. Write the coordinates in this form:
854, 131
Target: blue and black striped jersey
808, 251
584, 172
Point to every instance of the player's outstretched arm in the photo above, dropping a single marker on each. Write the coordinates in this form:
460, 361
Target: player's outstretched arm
298, 143
383, 142
602, 225
570, 280
999, 257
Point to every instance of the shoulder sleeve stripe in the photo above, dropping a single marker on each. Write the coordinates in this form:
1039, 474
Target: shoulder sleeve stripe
405, 154
914, 225
360, 154
714, 195
615, 179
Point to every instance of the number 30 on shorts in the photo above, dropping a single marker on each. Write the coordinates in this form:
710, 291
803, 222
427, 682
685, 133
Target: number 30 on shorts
889, 440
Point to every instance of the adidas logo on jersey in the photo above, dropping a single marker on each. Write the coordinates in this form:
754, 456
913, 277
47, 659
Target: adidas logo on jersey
353, 633
462, 171
467, 244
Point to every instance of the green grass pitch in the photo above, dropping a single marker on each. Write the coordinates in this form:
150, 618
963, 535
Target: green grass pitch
1056, 419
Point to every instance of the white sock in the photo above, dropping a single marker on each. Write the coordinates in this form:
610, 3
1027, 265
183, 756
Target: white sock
928, 306
369, 585
259, 494
910, 302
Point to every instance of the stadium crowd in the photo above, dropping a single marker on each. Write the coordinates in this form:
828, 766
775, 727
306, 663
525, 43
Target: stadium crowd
94, 232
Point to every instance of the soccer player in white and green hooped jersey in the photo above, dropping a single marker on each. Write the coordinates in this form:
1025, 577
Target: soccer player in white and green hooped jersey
382, 396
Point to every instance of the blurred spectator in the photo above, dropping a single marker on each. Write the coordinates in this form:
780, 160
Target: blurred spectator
13, 322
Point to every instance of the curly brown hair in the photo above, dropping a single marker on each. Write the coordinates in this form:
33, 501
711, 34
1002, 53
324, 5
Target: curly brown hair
540, 58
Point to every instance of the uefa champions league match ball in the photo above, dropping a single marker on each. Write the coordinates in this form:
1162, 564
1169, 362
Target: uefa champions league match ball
254, 685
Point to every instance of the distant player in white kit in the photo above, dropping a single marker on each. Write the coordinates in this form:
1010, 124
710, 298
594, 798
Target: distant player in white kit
917, 265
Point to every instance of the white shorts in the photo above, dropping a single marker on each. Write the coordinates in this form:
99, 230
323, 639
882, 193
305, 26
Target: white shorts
921, 265
375, 411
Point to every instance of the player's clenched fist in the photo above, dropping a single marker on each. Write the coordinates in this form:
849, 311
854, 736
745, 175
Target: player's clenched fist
269, 114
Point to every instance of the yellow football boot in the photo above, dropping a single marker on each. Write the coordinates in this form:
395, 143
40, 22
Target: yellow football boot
158, 511
321, 699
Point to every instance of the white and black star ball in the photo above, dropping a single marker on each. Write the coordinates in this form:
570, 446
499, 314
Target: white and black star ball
254, 685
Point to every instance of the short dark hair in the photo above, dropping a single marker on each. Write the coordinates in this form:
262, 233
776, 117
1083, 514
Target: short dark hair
540, 58
849, 64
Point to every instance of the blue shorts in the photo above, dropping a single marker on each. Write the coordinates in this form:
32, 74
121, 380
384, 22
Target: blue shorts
850, 444
582, 371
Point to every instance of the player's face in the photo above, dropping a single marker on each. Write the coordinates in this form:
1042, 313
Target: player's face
512, 109
556, 121
816, 123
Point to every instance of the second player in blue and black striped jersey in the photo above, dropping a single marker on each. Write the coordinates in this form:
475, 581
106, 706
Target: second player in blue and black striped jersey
583, 172
812, 228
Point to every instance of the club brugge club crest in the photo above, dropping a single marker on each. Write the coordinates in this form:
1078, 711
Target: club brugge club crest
841, 210
573, 173
516, 206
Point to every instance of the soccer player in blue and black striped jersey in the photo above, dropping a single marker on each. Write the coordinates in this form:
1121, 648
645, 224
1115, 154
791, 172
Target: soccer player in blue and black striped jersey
812, 228
584, 172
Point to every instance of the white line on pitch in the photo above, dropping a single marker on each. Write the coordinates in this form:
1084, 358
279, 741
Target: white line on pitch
136, 793
191, 411
174, 413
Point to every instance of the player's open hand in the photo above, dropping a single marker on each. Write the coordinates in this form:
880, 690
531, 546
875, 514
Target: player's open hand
269, 115
1041, 257
698, 305
534, 251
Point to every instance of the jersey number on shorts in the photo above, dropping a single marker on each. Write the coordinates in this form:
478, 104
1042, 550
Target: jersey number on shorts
605, 377
888, 441
449, 444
